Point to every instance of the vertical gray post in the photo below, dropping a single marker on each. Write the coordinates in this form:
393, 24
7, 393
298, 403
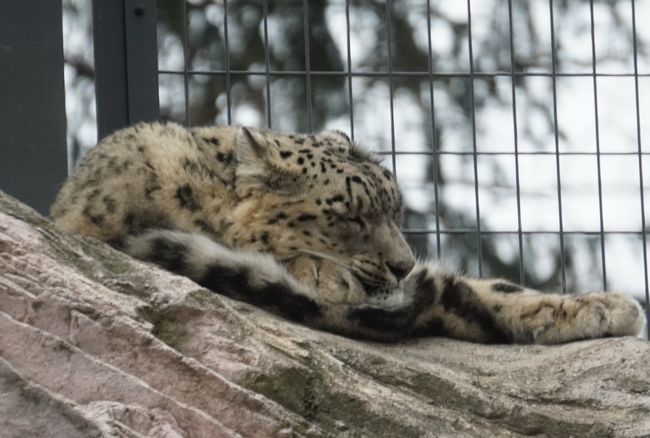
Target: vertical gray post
126, 63
32, 119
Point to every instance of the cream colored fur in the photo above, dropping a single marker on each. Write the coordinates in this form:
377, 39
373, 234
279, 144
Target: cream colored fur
305, 225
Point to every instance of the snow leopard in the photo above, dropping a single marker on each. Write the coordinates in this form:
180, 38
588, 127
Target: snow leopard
305, 226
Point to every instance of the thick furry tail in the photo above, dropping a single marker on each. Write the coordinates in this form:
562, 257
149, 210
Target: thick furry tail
252, 277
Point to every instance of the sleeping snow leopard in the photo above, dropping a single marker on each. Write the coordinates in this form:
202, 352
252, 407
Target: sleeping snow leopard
305, 226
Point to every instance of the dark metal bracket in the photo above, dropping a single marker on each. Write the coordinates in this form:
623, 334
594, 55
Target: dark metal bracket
126, 63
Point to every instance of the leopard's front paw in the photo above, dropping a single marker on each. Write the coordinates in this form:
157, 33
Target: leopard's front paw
594, 315
607, 314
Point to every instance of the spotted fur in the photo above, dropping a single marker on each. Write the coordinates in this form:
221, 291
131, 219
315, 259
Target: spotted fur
305, 226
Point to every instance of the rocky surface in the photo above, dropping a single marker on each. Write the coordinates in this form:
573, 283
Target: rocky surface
93, 343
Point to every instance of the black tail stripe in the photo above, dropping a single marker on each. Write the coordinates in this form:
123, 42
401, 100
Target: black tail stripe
275, 296
395, 322
168, 255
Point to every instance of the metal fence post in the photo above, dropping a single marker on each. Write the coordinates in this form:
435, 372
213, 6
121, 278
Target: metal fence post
32, 119
126, 63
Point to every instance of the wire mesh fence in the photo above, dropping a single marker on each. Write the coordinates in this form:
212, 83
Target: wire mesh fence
514, 127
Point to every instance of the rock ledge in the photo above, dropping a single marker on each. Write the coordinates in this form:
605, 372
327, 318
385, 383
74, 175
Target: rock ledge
96, 344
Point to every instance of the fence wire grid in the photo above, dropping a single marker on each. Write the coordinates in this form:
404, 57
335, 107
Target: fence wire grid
360, 66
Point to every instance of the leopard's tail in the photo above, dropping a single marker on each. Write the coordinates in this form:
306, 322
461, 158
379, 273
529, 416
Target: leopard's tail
252, 277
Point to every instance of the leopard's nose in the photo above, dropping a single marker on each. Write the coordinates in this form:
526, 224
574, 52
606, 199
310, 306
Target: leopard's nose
401, 268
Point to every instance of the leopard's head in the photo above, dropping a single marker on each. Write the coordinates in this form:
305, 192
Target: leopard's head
323, 196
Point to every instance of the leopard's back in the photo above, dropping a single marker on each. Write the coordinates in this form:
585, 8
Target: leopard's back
149, 175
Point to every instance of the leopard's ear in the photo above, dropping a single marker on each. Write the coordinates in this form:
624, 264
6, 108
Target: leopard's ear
351, 149
342, 135
259, 164
252, 153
